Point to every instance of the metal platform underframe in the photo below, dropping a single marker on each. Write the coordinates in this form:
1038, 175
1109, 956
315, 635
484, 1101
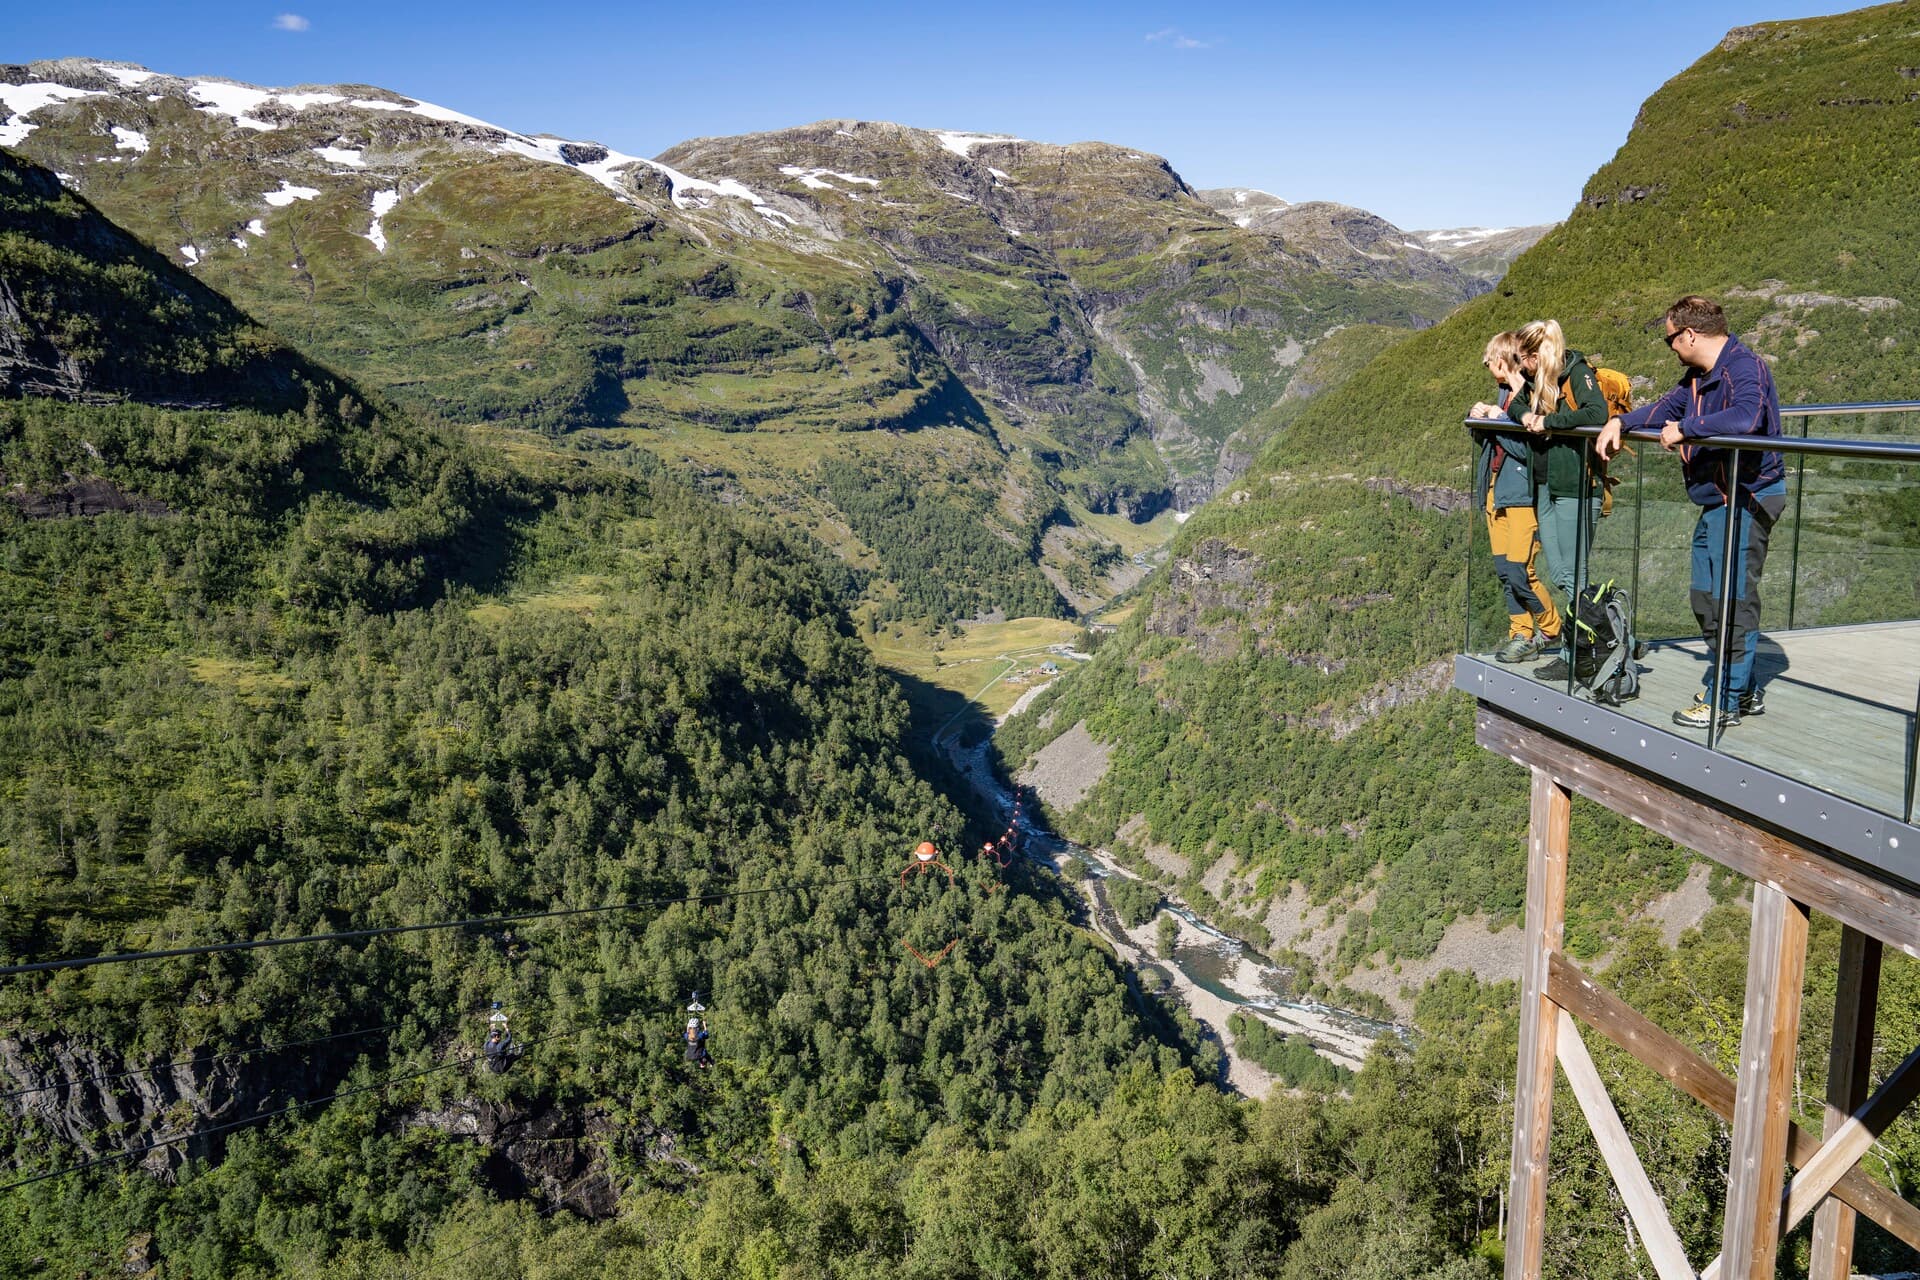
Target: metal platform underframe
1805, 851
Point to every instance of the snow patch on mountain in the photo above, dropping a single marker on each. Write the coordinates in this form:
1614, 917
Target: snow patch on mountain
383, 202
129, 139
256, 228
125, 77
288, 193
191, 254
301, 101
352, 158
221, 98
22, 100
25, 99
413, 106
962, 144
816, 178
1465, 235
688, 192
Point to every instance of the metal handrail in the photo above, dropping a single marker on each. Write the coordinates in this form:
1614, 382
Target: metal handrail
1886, 450
1836, 410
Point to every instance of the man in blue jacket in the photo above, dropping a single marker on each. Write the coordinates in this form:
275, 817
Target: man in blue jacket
1725, 390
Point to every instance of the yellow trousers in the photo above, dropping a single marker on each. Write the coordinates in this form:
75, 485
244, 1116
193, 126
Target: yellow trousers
1514, 533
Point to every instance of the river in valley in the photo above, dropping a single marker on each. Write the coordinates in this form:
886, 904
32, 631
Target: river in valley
1213, 973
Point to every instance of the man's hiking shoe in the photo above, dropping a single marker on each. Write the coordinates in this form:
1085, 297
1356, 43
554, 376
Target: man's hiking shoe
1698, 715
1555, 671
1522, 648
1752, 703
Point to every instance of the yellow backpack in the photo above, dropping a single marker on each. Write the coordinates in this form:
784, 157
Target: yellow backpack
1618, 389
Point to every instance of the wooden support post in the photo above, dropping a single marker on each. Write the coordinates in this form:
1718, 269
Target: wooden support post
1756, 1176
1548, 836
1849, 1072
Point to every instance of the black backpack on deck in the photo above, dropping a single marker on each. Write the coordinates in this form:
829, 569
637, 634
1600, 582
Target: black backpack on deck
1604, 647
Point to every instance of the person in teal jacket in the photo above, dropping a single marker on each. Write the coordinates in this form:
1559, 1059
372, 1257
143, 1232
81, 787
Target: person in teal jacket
1504, 488
1561, 391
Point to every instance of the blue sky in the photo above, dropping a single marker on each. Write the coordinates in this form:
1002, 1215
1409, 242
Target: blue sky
1399, 108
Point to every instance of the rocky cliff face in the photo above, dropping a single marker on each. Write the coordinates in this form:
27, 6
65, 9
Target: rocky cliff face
92, 1102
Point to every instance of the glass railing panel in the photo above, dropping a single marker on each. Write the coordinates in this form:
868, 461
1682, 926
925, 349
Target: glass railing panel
1663, 563
1851, 534
1832, 701
1832, 695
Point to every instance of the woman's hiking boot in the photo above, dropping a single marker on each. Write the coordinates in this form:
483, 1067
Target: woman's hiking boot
1523, 648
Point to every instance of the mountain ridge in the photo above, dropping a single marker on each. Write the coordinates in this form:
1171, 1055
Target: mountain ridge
1068, 327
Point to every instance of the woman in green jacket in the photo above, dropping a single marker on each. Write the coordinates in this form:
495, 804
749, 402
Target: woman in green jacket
1562, 391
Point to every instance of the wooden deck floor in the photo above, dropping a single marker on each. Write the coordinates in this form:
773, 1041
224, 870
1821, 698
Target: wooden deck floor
1839, 707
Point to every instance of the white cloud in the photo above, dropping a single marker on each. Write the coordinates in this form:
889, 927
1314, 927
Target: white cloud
1177, 39
290, 22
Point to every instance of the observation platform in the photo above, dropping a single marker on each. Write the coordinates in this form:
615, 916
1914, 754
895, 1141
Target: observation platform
1831, 755
1811, 797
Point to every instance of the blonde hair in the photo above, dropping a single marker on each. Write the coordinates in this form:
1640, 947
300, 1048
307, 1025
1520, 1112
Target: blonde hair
1504, 347
1542, 338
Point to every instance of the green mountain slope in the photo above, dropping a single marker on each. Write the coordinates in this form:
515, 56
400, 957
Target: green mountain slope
325, 667
1069, 329
1276, 708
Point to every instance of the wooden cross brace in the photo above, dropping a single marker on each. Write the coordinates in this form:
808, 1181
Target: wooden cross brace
1827, 1169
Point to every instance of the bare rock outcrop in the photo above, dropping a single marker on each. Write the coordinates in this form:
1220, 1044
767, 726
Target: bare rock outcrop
86, 1101
560, 1155
78, 497
1424, 497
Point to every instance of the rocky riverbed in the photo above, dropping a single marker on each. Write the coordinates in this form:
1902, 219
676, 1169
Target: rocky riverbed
1211, 972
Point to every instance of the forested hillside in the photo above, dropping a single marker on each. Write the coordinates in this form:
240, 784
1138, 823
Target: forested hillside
1277, 704
311, 666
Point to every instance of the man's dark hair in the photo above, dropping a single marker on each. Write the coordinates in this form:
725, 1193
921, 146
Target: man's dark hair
1702, 315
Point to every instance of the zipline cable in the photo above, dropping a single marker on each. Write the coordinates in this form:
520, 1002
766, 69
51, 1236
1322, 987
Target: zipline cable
355, 935
235, 1054
289, 1109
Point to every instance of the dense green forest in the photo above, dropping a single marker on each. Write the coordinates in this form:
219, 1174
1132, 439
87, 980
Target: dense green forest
337, 670
938, 545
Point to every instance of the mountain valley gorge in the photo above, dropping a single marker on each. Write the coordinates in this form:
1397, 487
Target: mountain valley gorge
535, 574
